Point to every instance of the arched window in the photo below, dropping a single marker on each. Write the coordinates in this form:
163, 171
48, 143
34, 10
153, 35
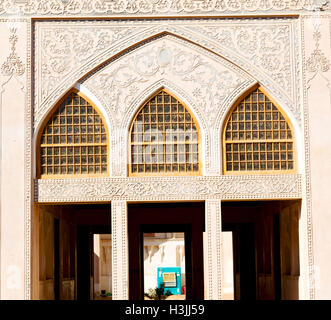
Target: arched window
164, 138
257, 137
74, 140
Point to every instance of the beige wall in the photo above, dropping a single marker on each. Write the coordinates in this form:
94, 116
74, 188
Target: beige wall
43, 253
12, 103
228, 279
162, 252
319, 105
102, 263
46, 253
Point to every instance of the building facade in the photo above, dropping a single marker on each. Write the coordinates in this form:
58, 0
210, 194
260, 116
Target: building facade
131, 117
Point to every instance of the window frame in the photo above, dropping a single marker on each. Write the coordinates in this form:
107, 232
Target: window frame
224, 141
41, 131
171, 173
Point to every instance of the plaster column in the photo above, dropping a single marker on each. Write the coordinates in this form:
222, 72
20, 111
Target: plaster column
213, 250
120, 266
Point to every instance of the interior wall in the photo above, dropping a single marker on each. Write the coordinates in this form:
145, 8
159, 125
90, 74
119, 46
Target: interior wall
105, 263
66, 275
46, 252
95, 218
227, 277
276, 238
162, 250
289, 251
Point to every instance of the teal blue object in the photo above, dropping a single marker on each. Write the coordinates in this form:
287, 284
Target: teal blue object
171, 279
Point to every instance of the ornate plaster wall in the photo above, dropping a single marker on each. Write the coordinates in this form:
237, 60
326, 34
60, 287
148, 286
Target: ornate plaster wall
207, 63
158, 7
66, 51
282, 54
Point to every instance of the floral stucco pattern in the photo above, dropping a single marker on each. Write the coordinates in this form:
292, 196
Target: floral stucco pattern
130, 7
169, 188
13, 66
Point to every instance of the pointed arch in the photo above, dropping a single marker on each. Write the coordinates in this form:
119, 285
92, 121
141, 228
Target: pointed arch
164, 138
109, 56
73, 140
257, 136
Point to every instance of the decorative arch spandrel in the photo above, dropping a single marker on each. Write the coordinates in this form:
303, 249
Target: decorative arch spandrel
208, 78
148, 31
205, 80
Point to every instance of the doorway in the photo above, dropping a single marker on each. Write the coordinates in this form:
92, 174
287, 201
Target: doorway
164, 265
265, 243
181, 218
64, 255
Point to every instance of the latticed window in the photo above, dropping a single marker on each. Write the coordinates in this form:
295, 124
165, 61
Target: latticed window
74, 140
164, 138
257, 137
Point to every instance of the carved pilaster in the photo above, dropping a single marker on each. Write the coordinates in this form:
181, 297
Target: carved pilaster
120, 250
213, 161
213, 250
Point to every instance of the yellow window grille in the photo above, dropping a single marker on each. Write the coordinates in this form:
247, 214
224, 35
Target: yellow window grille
164, 138
74, 140
257, 137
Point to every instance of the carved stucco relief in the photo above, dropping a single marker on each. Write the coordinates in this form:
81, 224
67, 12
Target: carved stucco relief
205, 80
63, 48
165, 7
206, 77
119, 250
169, 188
61, 63
268, 51
317, 62
214, 248
13, 65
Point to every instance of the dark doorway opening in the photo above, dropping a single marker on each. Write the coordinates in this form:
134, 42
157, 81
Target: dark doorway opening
89, 221
161, 218
56, 259
65, 249
265, 238
244, 260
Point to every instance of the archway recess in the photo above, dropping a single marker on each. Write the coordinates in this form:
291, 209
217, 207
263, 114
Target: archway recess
164, 138
258, 137
73, 140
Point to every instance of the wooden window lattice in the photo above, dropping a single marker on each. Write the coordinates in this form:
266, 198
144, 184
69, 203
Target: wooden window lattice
257, 137
74, 140
164, 138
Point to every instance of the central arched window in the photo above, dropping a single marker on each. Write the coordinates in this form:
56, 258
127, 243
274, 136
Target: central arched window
164, 138
74, 140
